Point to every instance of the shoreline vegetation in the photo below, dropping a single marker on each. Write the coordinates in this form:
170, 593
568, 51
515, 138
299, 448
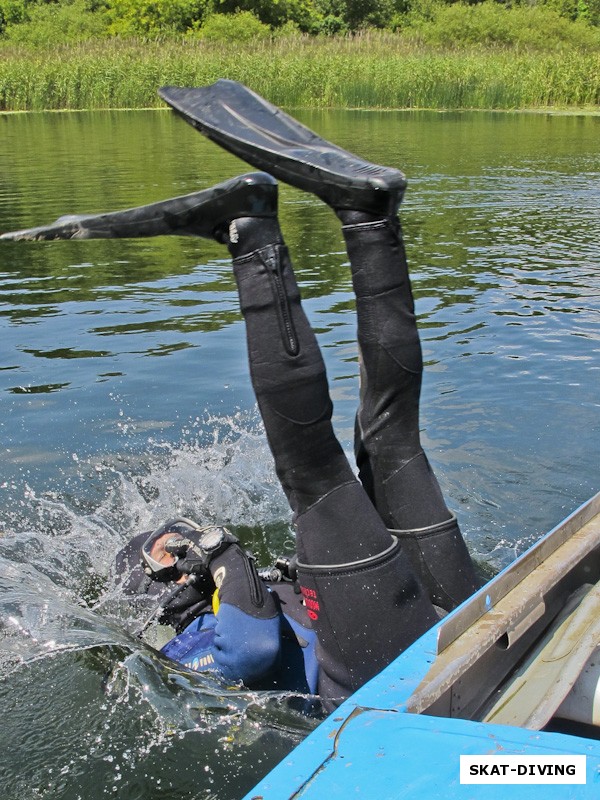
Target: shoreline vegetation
363, 72
524, 58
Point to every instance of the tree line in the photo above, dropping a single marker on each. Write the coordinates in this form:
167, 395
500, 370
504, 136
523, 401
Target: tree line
41, 21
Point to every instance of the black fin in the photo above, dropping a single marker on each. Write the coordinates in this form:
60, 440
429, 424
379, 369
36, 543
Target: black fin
251, 128
197, 214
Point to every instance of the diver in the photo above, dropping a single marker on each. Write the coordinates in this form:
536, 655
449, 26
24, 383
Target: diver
379, 556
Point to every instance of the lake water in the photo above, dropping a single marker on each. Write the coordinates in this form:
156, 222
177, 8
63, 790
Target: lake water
124, 399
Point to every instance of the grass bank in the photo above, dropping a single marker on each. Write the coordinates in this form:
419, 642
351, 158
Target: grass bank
366, 72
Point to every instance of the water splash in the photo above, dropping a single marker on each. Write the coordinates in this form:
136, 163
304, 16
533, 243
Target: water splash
106, 711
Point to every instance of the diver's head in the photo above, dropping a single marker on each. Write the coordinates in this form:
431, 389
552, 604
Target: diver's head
163, 558
161, 550
182, 548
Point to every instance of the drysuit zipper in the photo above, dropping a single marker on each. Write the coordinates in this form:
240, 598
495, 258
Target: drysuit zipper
273, 263
255, 583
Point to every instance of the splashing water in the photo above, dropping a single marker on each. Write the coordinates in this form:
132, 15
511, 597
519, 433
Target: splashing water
90, 709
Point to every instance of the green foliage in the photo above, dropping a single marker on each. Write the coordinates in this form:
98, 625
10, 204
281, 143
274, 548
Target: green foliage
239, 27
584, 10
331, 17
589, 10
565, 8
152, 18
52, 23
492, 24
352, 15
272, 12
440, 22
12, 12
331, 25
289, 30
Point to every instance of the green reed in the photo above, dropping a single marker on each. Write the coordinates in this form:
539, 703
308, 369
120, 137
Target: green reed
373, 71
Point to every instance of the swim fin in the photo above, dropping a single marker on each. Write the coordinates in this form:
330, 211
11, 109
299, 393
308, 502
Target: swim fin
251, 128
205, 213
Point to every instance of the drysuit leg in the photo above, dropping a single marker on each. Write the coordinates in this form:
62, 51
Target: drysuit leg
392, 464
351, 570
366, 611
365, 196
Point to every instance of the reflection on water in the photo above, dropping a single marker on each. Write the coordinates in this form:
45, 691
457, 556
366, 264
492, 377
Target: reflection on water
125, 399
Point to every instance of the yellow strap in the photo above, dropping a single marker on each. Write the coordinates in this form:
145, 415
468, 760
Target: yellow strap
215, 602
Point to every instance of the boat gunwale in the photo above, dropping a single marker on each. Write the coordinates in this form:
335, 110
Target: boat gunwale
495, 590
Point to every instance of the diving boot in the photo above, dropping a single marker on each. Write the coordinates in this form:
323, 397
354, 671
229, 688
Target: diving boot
206, 213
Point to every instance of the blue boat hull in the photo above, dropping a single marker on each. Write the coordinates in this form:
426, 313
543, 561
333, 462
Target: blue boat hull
402, 734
